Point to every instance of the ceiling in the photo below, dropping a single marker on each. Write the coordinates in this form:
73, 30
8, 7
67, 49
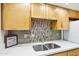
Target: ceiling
74, 6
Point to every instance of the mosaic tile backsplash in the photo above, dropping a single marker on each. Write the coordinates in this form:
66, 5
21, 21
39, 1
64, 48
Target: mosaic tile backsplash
40, 32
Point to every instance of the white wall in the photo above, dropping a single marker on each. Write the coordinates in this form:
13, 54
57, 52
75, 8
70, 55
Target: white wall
66, 34
73, 33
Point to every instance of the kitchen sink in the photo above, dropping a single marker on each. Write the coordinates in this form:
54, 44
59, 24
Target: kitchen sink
46, 46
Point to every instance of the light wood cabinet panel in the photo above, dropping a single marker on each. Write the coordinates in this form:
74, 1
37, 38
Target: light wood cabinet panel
53, 25
65, 25
16, 17
38, 10
62, 19
58, 25
50, 12
78, 15
72, 14
77, 52
74, 52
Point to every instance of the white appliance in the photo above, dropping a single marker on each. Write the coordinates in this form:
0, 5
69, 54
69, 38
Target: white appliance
73, 33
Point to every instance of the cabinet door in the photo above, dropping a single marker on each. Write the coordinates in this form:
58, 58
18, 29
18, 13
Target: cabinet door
50, 12
77, 52
74, 52
72, 14
62, 19
65, 25
16, 17
59, 54
37, 10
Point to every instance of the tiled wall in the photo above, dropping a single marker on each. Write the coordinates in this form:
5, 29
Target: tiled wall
40, 32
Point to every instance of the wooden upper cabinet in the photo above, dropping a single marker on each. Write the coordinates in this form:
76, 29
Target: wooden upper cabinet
16, 17
62, 19
50, 12
72, 14
61, 14
38, 10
